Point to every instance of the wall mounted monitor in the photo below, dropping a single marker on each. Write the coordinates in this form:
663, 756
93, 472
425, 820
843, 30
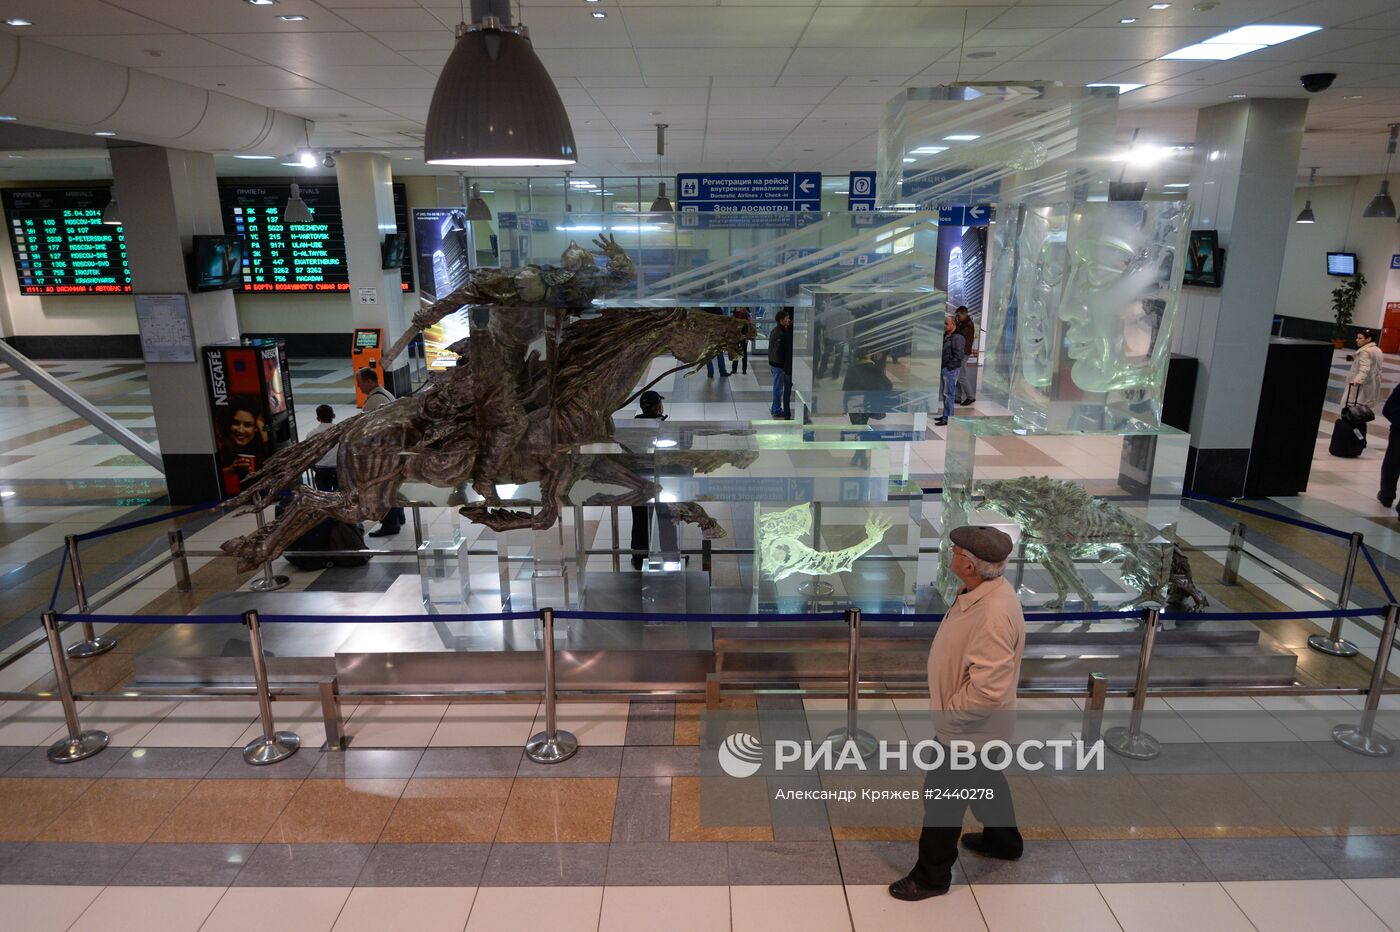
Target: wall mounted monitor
298, 258
1204, 259
216, 262
60, 244
393, 250
1341, 263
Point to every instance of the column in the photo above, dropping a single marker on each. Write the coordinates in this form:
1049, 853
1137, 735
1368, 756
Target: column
1243, 174
168, 196
367, 211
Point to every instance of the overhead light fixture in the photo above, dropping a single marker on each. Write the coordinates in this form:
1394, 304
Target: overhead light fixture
104, 133
260, 2
599, 14
1159, 6
477, 209
908, 159
661, 204
1122, 88
1178, 184
1238, 96
962, 137
1381, 205
1306, 214
291, 17
256, 158
328, 161
1239, 42
111, 214
928, 150
17, 21
494, 103
1127, 20
296, 210
7, 118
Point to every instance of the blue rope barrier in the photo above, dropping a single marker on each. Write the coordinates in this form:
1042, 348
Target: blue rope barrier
58, 580
1366, 552
1249, 509
719, 616
142, 522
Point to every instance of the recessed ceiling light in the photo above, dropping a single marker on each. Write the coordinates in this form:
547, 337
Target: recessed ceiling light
1122, 88
6, 118
260, 2
599, 14
1238, 96
982, 53
17, 21
928, 150
1238, 42
1179, 184
1160, 6
908, 159
1128, 20
1347, 97
104, 133
255, 158
291, 17
962, 137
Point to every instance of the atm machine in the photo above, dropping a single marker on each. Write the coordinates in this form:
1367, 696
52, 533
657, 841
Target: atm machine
366, 350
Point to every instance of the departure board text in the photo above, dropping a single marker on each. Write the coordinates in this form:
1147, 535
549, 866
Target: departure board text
60, 244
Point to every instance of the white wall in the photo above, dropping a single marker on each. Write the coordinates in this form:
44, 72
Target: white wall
1306, 288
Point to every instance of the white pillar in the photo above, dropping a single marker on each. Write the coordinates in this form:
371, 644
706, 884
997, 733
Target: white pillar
366, 185
166, 197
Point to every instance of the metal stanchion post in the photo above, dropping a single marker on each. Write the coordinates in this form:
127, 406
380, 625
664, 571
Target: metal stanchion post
330, 716
550, 746
92, 643
707, 555
1132, 741
865, 742
1090, 730
417, 526
274, 745
616, 539
1363, 739
1332, 642
269, 582
1231, 575
79, 744
179, 561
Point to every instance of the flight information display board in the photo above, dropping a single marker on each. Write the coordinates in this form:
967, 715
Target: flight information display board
297, 257
60, 244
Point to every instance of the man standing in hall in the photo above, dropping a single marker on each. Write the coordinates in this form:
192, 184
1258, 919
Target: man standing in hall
780, 361
377, 396
973, 669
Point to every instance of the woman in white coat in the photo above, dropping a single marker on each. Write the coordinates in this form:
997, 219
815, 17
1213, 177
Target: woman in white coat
1365, 371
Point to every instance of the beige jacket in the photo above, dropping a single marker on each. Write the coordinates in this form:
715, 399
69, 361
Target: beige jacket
1366, 375
377, 399
974, 664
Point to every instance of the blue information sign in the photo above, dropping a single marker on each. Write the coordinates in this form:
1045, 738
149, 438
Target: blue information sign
1394, 261
742, 192
861, 193
971, 215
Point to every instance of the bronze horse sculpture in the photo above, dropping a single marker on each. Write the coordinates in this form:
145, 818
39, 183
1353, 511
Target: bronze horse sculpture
507, 412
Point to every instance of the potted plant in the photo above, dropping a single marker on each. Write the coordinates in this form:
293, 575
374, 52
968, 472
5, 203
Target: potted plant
1344, 298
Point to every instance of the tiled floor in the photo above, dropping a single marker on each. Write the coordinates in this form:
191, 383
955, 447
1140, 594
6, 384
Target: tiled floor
433, 820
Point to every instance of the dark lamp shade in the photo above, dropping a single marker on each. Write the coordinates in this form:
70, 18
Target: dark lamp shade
495, 104
662, 204
1381, 205
1306, 214
112, 213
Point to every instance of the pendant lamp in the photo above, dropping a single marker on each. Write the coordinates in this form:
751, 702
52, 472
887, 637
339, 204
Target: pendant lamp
662, 204
296, 210
1306, 214
111, 214
1381, 205
477, 208
494, 103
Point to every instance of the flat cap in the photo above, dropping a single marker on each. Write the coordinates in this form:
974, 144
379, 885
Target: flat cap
983, 542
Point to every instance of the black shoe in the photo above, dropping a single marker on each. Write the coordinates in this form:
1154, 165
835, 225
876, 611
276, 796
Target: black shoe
910, 890
384, 530
977, 843
1387, 502
970, 401
724, 375
940, 422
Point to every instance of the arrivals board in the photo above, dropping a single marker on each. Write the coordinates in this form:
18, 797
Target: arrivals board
297, 257
60, 244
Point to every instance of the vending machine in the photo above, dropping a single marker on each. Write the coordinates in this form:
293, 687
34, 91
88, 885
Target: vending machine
366, 350
250, 391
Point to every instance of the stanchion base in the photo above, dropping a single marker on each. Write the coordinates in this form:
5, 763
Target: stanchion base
1367, 743
269, 585
1339, 647
1135, 745
82, 747
98, 645
866, 743
262, 751
544, 748
816, 587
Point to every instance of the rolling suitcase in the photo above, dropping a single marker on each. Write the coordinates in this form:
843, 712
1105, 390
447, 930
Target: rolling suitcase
1348, 434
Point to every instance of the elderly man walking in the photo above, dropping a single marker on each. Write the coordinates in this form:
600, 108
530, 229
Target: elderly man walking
973, 668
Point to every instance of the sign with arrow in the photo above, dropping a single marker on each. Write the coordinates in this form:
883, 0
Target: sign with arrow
742, 192
960, 215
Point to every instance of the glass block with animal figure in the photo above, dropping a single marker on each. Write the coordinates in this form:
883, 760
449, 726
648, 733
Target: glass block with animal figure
1082, 305
1093, 512
444, 573
818, 555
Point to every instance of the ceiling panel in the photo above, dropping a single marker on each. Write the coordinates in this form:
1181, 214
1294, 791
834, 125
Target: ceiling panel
845, 61
1114, 44
666, 27
159, 50
712, 61
308, 53
205, 17
894, 27
587, 63
1039, 15
394, 19
234, 80
80, 18
438, 40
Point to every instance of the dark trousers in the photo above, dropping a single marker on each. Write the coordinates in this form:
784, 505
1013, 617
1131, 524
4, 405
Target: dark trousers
943, 818
641, 532
1390, 466
393, 519
325, 478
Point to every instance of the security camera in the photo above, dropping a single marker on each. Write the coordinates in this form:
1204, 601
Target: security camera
1317, 83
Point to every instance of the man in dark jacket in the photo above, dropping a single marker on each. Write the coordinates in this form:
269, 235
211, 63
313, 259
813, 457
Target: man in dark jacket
954, 355
780, 361
1390, 466
654, 408
967, 329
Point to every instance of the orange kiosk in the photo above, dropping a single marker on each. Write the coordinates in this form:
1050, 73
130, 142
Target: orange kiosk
365, 351
1390, 328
